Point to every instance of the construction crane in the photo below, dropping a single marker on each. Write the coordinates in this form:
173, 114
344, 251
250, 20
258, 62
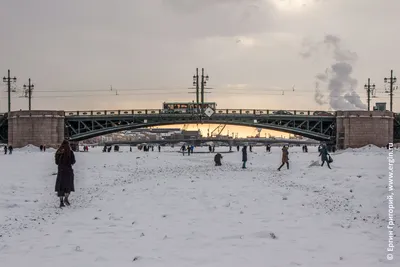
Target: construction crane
217, 131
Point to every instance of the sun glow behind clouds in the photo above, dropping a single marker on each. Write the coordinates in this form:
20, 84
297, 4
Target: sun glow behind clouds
293, 5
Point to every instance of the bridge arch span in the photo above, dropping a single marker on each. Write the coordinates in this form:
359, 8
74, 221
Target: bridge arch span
320, 135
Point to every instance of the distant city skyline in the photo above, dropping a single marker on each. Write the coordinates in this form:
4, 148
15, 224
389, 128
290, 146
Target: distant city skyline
259, 54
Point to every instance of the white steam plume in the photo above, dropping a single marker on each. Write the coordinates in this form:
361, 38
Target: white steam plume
340, 84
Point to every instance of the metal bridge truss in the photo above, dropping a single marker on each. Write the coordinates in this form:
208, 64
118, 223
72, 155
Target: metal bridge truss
3, 128
396, 128
81, 127
217, 131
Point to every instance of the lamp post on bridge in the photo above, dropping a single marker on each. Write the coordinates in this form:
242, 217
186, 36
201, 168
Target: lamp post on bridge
204, 80
200, 87
196, 84
28, 92
8, 80
370, 89
391, 81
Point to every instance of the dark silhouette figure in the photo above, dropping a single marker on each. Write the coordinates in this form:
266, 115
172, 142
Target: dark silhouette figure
251, 148
285, 157
64, 159
10, 149
325, 157
244, 157
238, 148
159, 148
5, 150
217, 159
268, 148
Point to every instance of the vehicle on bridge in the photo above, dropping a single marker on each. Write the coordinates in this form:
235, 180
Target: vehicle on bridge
282, 112
187, 107
322, 113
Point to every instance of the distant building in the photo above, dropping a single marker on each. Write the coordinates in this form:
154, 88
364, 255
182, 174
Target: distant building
184, 135
191, 134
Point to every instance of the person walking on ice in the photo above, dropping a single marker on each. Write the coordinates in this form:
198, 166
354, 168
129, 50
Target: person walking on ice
217, 159
244, 156
64, 159
325, 157
285, 157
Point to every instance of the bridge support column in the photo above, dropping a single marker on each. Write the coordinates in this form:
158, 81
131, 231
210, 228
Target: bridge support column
36, 127
360, 128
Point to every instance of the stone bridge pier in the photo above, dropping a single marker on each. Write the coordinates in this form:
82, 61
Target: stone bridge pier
36, 127
360, 128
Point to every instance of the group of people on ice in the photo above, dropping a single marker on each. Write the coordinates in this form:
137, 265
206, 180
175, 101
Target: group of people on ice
8, 149
188, 149
322, 149
65, 159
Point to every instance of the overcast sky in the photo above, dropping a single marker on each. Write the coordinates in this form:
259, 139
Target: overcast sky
253, 50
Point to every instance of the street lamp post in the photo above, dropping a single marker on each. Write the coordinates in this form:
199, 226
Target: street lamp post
370, 89
8, 80
28, 89
204, 80
200, 88
392, 80
196, 84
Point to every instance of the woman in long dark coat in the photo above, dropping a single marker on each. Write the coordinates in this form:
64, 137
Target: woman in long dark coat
65, 158
244, 157
285, 157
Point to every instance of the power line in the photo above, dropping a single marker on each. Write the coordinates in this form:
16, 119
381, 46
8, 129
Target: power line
224, 90
148, 94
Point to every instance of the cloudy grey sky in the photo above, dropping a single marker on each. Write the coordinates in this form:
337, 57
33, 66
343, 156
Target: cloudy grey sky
253, 50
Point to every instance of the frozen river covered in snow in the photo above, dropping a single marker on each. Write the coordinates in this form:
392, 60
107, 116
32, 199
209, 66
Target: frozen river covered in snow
164, 209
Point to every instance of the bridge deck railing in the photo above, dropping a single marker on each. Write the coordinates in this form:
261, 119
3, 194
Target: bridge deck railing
218, 111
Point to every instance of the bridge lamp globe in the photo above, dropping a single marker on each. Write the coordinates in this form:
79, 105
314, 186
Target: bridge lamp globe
206, 78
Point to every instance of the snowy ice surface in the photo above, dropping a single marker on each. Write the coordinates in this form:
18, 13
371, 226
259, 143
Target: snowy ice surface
164, 209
